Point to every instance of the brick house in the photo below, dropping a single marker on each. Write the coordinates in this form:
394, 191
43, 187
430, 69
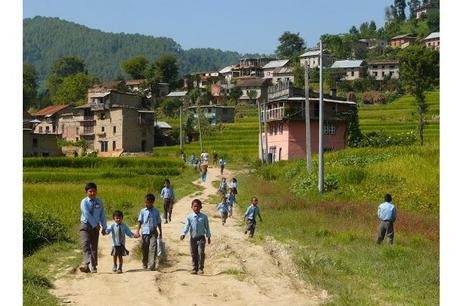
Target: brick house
284, 116
352, 69
379, 69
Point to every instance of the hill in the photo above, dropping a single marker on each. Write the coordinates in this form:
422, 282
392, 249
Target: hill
48, 39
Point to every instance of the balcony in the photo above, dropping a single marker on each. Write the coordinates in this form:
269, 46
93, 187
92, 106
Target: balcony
86, 119
100, 134
298, 114
87, 132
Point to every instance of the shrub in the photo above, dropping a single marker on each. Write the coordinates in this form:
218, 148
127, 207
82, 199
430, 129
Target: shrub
39, 229
372, 96
309, 182
380, 140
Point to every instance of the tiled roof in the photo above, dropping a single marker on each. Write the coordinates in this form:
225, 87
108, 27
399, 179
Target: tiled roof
50, 110
347, 64
275, 64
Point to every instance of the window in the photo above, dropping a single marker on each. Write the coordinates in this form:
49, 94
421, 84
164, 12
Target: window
40, 129
375, 73
280, 128
375, 66
76, 130
102, 129
54, 129
391, 73
35, 142
392, 66
76, 139
104, 146
101, 116
352, 73
114, 145
47, 129
114, 130
383, 73
329, 129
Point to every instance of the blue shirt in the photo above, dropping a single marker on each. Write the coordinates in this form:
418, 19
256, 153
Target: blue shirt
118, 233
92, 212
223, 207
252, 212
386, 212
223, 186
197, 224
222, 162
150, 219
230, 198
168, 193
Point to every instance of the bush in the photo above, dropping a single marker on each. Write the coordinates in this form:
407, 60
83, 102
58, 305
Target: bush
380, 140
372, 96
40, 229
309, 182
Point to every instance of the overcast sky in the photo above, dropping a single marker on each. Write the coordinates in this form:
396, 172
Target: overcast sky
246, 26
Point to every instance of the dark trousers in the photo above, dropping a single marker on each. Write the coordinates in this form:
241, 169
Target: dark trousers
149, 250
222, 169
168, 206
89, 238
251, 227
197, 246
224, 216
385, 228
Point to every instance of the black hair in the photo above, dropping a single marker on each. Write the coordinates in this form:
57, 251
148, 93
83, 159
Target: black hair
234, 179
150, 197
387, 197
254, 198
117, 213
198, 202
90, 186
167, 181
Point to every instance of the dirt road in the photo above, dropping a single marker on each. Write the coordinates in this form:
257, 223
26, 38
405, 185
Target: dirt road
237, 272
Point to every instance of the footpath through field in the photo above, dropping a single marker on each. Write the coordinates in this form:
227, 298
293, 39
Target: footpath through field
237, 272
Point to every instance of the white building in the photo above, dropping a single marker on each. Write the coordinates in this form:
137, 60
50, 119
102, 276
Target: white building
353, 69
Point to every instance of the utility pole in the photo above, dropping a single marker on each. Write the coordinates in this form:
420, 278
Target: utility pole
261, 149
265, 130
307, 119
180, 126
199, 128
154, 117
321, 127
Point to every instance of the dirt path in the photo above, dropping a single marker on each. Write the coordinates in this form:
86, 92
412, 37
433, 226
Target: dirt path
237, 272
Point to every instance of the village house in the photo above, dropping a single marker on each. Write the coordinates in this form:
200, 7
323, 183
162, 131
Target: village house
42, 145
48, 119
258, 85
312, 58
203, 79
381, 69
284, 116
251, 67
433, 41
373, 43
227, 73
402, 41
271, 66
429, 7
352, 69
283, 74
214, 113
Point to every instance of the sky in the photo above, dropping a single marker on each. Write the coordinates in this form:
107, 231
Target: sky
245, 26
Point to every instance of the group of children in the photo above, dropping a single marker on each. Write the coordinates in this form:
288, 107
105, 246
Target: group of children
93, 221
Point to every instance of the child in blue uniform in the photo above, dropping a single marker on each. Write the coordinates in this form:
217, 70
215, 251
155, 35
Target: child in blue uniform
230, 200
223, 186
223, 208
250, 215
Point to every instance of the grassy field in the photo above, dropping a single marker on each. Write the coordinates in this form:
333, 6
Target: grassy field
56, 186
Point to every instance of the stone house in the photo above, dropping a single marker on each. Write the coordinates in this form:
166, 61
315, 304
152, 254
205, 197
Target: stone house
259, 85
402, 41
433, 41
271, 66
312, 58
352, 69
251, 67
43, 145
50, 118
379, 69
281, 74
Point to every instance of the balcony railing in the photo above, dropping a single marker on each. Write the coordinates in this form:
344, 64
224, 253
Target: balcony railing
282, 113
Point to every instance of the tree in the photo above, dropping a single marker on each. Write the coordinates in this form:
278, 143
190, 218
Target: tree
354, 133
170, 107
413, 6
364, 29
419, 72
299, 75
29, 85
74, 88
433, 21
136, 67
354, 31
61, 69
400, 6
165, 69
235, 93
291, 45
372, 27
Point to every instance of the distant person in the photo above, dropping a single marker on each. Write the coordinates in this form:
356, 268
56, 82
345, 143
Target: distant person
119, 230
234, 184
91, 219
223, 209
169, 196
183, 157
230, 200
204, 157
198, 225
222, 165
192, 160
223, 186
250, 215
150, 221
214, 158
387, 216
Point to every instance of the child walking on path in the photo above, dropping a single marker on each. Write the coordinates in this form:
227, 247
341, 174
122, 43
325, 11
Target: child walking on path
250, 215
224, 209
150, 221
230, 200
169, 196
223, 186
387, 216
91, 219
198, 225
222, 165
119, 230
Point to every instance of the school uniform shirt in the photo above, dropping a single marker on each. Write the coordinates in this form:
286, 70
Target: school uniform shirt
222, 162
223, 185
118, 232
168, 193
150, 219
223, 207
92, 212
230, 198
386, 212
198, 225
252, 212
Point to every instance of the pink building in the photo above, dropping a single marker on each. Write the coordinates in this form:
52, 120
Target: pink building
285, 119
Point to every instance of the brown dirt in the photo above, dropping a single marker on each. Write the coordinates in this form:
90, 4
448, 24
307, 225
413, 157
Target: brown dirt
237, 271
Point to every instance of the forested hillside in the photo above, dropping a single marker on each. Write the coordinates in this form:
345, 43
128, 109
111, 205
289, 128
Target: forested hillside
48, 39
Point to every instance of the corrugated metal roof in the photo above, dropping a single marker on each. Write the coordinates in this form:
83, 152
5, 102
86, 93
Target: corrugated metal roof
403, 36
163, 125
251, 82
433, 36
177, 94
310, 53
282, 70
226, 69
347, 64
275, 64
99, 94
50, 110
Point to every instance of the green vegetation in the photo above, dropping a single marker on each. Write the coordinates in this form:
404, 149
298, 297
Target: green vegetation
53, 189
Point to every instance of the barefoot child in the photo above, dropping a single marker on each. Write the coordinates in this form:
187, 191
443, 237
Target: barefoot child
150, 221
91, 219
198, 225
223, 208
251, 214
169, 195
119, 230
